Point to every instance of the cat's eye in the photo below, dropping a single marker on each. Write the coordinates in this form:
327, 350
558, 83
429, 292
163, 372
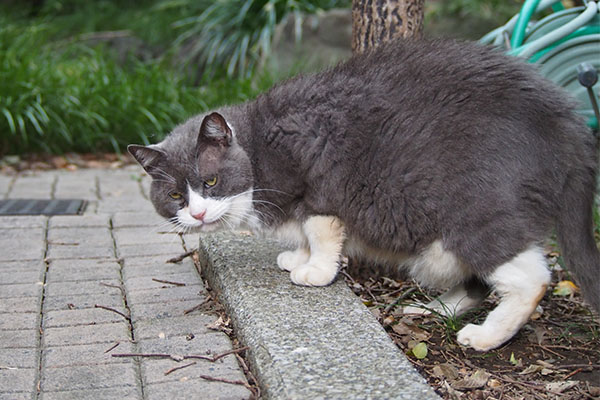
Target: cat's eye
210, 182
175, 195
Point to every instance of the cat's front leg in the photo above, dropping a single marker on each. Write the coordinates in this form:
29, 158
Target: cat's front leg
325, 238
290, 260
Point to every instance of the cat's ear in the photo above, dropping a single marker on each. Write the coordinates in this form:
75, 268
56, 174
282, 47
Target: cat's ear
214, 130
147, 156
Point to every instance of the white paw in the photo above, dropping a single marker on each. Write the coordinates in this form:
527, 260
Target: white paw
289, 260
479, 338
415, 310
312, 275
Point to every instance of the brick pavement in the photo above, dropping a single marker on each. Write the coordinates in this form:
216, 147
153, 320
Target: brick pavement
54, 342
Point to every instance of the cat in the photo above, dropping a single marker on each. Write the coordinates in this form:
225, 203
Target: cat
447, 159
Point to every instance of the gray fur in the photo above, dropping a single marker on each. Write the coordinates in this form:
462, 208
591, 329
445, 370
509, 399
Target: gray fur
413, 142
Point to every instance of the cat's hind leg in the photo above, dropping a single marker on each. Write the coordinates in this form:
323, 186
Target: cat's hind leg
325, 238
520, 284
456, 301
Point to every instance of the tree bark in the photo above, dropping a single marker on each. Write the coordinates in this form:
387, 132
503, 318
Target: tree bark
378, 21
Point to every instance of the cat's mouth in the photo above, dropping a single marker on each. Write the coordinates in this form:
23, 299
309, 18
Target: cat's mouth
202, 227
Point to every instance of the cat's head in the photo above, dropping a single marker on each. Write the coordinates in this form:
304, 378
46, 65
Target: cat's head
201, 177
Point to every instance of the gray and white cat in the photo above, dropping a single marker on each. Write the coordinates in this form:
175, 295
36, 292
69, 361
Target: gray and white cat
447, 159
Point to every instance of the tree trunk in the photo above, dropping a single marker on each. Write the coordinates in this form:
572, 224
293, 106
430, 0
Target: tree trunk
379, 21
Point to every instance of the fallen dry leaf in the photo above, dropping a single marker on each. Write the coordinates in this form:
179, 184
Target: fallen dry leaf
447, 371
476, 380
560, 387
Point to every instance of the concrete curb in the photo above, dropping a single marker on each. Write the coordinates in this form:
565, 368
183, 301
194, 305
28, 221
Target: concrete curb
305, 343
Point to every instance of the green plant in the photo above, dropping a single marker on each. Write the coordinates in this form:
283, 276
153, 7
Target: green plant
76, 98
235, 35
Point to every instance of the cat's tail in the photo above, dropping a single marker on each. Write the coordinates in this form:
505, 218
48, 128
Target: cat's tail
575, 231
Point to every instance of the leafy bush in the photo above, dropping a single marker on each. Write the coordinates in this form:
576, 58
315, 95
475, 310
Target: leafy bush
237, 34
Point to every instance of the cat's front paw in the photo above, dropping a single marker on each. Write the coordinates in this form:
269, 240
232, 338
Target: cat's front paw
478, 337
313, 275
289, 260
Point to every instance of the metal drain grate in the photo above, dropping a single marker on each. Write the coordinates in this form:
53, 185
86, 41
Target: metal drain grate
42, 207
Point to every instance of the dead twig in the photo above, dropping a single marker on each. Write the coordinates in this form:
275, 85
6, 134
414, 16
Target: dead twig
112, 347
179, 367
168, 282
196, 307
570, 374
180, 258
113, 310
256, 389
213, 379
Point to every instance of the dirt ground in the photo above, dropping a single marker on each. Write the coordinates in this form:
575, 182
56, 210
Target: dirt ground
556, 355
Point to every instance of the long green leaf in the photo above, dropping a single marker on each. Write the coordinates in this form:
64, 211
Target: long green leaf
11, 121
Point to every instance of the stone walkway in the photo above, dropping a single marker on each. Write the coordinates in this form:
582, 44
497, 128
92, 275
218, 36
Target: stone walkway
56, 343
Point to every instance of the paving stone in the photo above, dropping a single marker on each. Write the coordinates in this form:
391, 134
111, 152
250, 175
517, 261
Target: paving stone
17, 380
83, 287
21, 290
68, 301
87, 354
84, 221
22, 266
17, 396
19, 358
86, 334
20, 305
157, 265
147, 282
23, 338
145, 184
172, 249
22, 244
125, 205
154, 370
82, 377
56, 252
170, 327
210, 344
167, 294
121, 393
11, 321
34, 186
145, 236
86, 316
164, 309
93, 237
22, 221
27, 276
138, 218
75, 185
83, 270
5, 182
209, 390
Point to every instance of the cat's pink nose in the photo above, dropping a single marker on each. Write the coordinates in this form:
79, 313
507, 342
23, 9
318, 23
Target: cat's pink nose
200, 215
